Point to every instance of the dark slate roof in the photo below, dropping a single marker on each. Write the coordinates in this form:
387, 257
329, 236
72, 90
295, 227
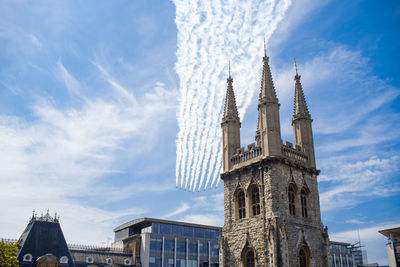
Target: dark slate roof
43, 235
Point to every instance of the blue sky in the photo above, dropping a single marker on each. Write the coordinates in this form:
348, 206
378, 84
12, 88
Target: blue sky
110, 110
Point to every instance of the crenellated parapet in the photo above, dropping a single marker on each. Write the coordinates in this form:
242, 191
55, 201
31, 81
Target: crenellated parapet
251, 153
296, 153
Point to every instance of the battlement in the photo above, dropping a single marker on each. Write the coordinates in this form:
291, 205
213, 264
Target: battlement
243, 155
294, 153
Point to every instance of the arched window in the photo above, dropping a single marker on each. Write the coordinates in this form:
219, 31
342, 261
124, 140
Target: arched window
303, 195
249, 259
291, 197
304, 257
255, 200
241, 205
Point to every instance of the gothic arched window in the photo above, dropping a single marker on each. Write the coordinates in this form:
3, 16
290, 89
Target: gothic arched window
255, 200
241, 204
303, 195
292, 199
250, 259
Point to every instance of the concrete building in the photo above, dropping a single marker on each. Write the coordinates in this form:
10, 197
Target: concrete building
341, 254
155, 243
393, 246
271, 201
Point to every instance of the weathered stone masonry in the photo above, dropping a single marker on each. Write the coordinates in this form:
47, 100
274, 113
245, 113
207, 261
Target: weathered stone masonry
271, 200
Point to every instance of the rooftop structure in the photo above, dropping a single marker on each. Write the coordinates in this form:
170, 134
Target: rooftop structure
43, 244
393, 245
341, 254
155, 242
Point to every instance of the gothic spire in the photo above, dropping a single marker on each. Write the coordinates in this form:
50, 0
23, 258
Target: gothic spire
300, 109
267, 92
230, 110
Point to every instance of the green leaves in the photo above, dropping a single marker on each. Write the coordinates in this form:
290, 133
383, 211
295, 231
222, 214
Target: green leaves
8, 254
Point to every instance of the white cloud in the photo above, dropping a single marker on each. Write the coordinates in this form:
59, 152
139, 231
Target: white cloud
61, 154
210, 34
183, 208
204, 218
355, 182
35, 40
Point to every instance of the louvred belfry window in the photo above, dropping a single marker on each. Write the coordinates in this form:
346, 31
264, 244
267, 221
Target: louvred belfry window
291, 197
241, 205
255, 198
303, 196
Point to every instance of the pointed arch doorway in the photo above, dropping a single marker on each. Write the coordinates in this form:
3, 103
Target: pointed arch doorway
248, 258
304, 257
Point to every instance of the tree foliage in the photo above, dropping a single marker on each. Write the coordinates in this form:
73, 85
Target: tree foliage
8, 254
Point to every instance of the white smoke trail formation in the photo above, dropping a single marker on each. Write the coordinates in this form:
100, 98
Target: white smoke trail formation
210, 34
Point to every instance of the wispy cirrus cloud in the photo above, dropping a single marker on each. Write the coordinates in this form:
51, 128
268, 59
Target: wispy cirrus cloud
210, 34
181, 209
82, 142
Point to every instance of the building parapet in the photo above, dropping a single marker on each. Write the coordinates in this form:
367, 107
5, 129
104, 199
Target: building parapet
294, 153
242, 155
77, 247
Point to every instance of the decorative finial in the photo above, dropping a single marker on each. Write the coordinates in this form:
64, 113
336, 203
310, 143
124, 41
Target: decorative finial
295, 65
265, 48
230, 69
33, 213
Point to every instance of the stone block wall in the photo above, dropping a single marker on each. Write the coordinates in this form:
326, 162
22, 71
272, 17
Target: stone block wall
274, 234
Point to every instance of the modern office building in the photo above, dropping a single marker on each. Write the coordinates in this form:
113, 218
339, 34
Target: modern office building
359, 254
341, 254
393, 246
163, 243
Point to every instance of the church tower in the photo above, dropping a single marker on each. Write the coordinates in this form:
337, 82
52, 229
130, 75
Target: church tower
271, 201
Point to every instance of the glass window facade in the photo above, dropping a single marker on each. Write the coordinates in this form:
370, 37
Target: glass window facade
168, 262
154, 262
214, 250
342, 255
169, 246
181, 247
192, 263
184, 231
203, 247
172, 245
192, 248
155, 245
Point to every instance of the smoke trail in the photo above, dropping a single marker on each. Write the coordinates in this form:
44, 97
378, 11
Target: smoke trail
210, 33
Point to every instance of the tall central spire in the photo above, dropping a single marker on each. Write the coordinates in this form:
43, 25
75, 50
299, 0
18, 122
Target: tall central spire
268, 134
267, 92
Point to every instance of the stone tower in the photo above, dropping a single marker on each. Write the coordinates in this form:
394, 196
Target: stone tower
271, 200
